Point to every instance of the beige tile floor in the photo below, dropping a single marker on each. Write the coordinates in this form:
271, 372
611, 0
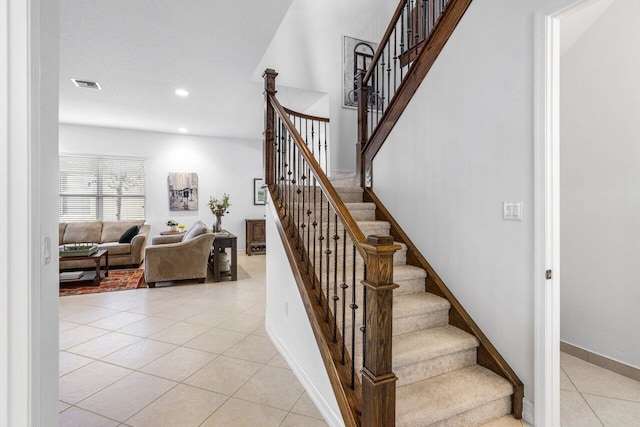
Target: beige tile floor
182, 355
198, 355
593, 396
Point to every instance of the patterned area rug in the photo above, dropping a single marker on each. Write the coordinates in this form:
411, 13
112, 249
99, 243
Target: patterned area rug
118, 280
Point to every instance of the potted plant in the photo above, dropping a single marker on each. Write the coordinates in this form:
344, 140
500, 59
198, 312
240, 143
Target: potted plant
219, 206
173, 225
181, 228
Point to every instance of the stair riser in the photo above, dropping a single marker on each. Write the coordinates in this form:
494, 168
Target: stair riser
477, 416
430, 368
343, 182
401, 325
348, 194
358, 214
397, 260
410, 286
381, 229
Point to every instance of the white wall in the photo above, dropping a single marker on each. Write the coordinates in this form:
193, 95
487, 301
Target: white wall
464, 146
289, 328
600, 193
307, 53
223, 165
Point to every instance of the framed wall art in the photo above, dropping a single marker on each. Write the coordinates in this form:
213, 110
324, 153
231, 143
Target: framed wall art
183, 191
259, 193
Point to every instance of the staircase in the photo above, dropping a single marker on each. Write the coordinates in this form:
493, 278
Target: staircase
398, 347
439, 382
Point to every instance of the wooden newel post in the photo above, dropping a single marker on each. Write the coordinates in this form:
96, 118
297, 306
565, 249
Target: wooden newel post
378, 379
362, 126
269, 124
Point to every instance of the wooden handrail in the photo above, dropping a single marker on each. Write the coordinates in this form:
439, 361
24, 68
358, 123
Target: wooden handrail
432, 25
385, 37
332, 195
306, 116
421, 66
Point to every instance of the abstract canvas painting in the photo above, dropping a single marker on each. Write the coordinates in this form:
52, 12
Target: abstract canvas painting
183, 191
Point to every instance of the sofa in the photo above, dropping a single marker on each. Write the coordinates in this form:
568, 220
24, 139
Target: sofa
178, 257
106, 235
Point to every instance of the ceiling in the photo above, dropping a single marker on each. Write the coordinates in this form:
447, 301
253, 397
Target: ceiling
141, 51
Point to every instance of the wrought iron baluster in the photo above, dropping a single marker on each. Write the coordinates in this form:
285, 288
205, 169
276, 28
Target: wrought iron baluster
416, 36
285, 177
308, 217
326, 158
300, 193
303, 225
389, 93
289, 181
409, 38
364, 318
377, 92
402, 18
294, 182
344, 287
382, 69
315, 225
395, 60
433, 15
425, 30
328, 253
335, 297
278, 152
353, 306
320, 253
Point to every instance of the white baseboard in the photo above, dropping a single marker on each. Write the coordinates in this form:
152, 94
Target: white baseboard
527, 411
331, 417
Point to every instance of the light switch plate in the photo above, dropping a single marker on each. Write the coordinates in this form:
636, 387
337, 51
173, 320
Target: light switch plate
512, 211
46, 250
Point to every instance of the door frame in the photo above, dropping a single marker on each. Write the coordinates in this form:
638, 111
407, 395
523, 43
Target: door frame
547, 209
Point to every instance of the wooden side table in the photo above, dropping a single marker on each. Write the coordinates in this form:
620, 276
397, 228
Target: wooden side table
221, 241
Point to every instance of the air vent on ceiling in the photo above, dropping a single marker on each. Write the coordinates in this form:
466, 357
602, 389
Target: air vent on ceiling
86, 84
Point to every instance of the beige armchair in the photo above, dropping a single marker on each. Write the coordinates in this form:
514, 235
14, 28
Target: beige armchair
169, 259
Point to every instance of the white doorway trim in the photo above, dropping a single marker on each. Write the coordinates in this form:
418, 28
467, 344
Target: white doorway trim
28, 206
546, 233
547, 210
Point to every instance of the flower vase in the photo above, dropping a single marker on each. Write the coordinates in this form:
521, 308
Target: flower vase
218, 225
174, 228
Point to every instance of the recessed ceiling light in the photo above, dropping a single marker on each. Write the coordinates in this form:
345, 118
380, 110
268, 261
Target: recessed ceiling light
182, 92
183, 130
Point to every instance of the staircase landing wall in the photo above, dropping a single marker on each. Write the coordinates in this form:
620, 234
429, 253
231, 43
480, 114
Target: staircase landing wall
288, 326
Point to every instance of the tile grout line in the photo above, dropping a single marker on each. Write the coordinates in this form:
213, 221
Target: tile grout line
610, 398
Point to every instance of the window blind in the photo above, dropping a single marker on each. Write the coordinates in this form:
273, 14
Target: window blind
101, 188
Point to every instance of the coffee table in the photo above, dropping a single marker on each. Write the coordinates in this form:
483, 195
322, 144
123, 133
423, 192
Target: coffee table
91, 275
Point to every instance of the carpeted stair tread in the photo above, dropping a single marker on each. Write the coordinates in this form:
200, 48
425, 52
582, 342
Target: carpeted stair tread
449, 395
408, 272
419, 303
430, 343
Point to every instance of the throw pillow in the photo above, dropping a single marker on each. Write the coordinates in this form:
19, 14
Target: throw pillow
197, 229
128, 235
